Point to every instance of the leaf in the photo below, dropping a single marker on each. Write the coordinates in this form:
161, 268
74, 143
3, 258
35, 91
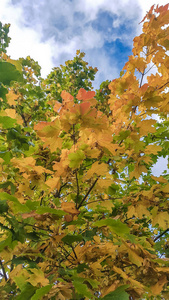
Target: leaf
37, 277
43, 210
66, 96
118, 294
3, 206
41, 292
85, 95
98, 169
69, 239
84, 108
152, 149
69, 207
17, 206
158, 287
8, 73
16, 63
162, 219
76, 159
82, 289
7, 242
7, 122
11, 98
115, 225
27, 293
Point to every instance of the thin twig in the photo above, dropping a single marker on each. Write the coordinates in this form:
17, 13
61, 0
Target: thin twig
92, 186
77, 183
3, 270
161, 234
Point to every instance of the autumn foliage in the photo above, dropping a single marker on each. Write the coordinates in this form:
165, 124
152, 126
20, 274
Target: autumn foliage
81, 214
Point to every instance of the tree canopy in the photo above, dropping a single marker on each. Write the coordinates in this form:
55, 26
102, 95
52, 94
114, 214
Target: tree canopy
82, 216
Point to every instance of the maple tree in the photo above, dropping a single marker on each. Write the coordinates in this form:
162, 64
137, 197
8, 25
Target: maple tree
81, 214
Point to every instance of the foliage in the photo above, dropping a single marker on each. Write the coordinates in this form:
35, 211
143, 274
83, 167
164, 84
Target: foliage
81, 214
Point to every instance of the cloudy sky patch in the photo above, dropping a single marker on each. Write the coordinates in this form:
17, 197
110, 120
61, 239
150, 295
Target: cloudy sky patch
51, 31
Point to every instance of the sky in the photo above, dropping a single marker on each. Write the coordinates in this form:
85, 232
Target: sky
51, 31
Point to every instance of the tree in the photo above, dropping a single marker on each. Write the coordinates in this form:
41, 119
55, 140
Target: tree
82, 215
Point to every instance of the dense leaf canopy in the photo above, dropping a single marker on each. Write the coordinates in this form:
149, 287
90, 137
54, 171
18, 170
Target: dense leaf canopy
82, 216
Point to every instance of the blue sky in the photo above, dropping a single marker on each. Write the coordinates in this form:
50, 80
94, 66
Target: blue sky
51, 31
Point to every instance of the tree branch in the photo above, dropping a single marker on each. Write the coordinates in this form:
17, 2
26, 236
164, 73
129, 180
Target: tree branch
57, 194
92, 186
3, 270
77, 183
161, 234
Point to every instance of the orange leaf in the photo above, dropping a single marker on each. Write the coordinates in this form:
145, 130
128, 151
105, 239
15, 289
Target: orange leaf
57, 106
66, 96
84, 107
41, 125
85, 95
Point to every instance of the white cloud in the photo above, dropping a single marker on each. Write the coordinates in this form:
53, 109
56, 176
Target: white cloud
25, 40
51, 31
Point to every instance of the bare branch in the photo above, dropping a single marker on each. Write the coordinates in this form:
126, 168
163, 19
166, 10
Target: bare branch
90, 189
161, 234
3, 271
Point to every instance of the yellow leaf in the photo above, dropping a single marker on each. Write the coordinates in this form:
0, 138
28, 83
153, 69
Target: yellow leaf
139, 169
131, 211
99, 169
107, 204
93, 153
165, 189
136, 259
11, 98
158, 287
162, 219
53, 183
159, 179
152, 149
69, 207
37, 278
141, 211
146, 126
11, 113
104, 183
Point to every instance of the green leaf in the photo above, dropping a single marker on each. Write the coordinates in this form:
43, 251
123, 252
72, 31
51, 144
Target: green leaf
115, 225
27, 293
8, 73
41, 292
76, 159
6, 156
18, 207
118, 294
69, 239
82, 289
6, 184
6, 242
3, 206
44, 209
7, 122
